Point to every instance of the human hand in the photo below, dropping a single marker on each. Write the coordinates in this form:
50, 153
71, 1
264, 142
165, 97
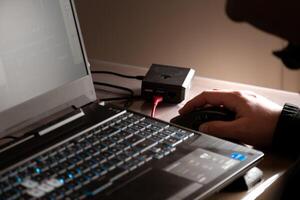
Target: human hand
256, 116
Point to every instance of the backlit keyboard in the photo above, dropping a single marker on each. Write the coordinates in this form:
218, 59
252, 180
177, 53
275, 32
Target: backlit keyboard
92, 161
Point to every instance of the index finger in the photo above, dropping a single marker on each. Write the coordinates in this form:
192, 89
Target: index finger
229, 99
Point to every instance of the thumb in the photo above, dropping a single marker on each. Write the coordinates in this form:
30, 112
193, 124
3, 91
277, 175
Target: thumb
220, 128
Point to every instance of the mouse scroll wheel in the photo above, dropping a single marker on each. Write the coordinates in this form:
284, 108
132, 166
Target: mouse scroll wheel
202, 117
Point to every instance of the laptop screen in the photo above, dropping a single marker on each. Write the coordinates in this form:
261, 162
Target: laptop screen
43, 66
39, 49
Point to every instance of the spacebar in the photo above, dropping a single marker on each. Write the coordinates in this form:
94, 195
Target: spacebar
96, 186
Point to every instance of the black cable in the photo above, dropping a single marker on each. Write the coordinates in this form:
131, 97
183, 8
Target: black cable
127, 104
114, 86
9, 137
11, 140
118, 74
129, 98
120, 98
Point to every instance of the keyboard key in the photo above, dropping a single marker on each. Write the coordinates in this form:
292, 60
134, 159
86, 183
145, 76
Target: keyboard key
163, 135
146, 157
146, 144
150, 132
181, 135
155, 149
54, 182
125, 134
35, 193
130, 166
144, 134
117, 138
138, 117
108, 155
157, 139
28, 183
134, 140
109, 166
156, 128
159, 156
131, 153
116, 161
110, 131
100, 170
123, 145
45, 187
124, 157
115, 150
100, 158
145, 124
172, 141
117, 174
109, 143
138, 161
120, 126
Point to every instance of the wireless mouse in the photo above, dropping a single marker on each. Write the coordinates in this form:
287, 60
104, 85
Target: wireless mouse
195, 118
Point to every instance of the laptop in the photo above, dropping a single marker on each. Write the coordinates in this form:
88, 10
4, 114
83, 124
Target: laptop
58, 142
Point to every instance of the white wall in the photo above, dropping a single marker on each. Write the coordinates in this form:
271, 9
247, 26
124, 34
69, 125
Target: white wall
188, 33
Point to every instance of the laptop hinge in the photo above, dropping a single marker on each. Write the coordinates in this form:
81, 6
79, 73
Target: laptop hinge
77, 115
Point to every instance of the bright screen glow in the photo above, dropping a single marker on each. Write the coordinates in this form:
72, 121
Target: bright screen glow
39, 49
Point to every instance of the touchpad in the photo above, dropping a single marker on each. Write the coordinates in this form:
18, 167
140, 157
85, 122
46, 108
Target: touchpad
156, 184
201, 166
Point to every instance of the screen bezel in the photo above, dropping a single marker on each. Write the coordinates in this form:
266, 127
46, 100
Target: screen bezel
76, 93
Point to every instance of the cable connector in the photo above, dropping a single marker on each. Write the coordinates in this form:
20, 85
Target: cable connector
156, 100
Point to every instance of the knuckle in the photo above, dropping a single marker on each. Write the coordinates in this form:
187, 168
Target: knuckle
240, 96
237, 93
205, 93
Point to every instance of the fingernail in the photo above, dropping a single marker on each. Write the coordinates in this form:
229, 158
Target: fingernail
203, 128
